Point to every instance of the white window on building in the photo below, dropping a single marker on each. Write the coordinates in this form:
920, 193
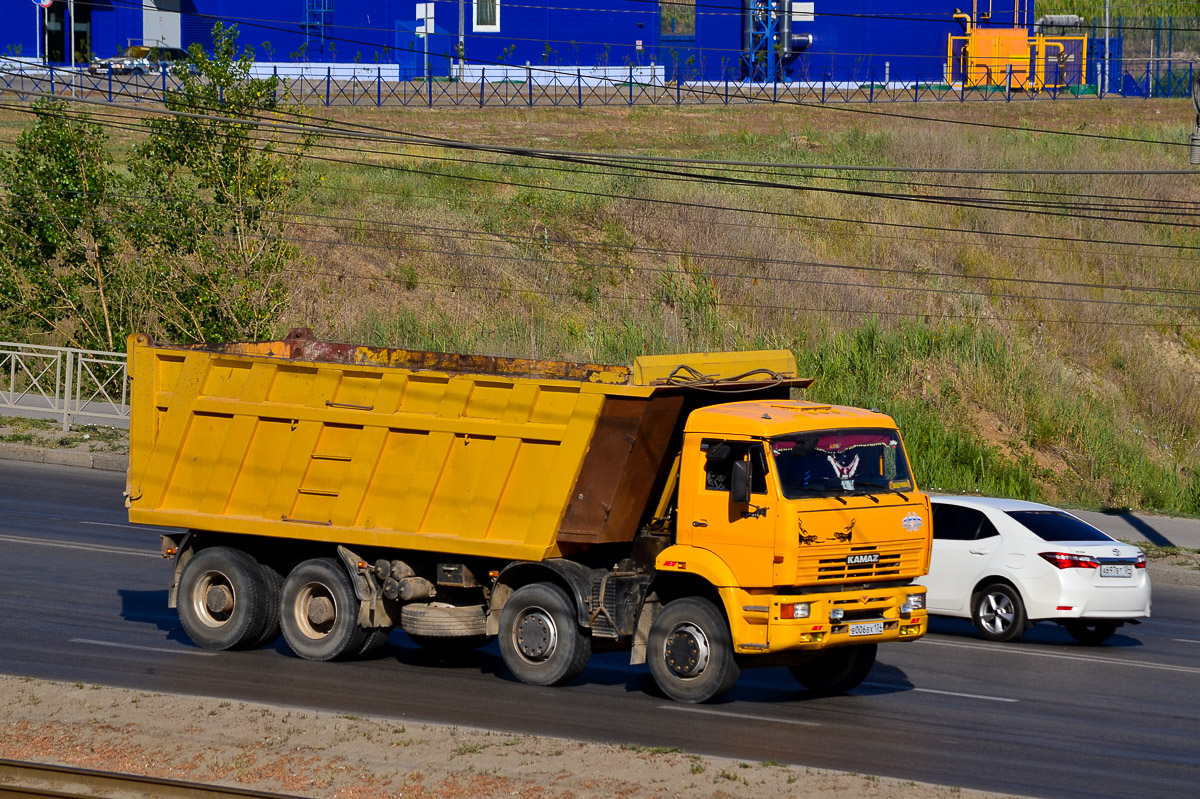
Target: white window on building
487, 15
803, 12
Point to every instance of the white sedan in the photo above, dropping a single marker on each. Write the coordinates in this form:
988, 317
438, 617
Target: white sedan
1006, 564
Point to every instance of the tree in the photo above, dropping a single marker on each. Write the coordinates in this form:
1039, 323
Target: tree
190, 246
62, 274
216, 187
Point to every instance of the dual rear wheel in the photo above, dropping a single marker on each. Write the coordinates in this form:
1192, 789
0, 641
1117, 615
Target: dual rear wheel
228, 600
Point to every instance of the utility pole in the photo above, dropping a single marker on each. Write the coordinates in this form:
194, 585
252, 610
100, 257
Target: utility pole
462, 36
71, 22
1107, 45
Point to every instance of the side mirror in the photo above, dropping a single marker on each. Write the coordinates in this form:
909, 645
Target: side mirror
739, 483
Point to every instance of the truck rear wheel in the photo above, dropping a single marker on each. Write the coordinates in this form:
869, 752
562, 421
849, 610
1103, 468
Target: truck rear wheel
836, 671
690, 651
223, 599
540, 640
319, 612
272, 587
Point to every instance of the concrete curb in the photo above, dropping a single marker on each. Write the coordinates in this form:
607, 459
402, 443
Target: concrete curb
104, 461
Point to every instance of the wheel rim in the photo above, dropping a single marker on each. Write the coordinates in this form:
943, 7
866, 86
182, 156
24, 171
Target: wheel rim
996, 613
213, 599
535, 635
315, 610
686, 650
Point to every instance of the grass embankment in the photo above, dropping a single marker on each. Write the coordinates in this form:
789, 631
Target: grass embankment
1002, 385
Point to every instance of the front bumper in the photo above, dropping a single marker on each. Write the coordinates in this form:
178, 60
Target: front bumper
757, 626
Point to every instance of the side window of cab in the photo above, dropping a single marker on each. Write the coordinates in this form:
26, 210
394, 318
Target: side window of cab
719, 457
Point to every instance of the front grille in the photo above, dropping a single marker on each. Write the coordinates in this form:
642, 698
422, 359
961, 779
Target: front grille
902, 559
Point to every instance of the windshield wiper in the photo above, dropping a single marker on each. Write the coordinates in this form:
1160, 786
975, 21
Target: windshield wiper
823, 491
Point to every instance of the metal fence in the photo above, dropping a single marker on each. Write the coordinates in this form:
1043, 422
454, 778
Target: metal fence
62, 383
653, 85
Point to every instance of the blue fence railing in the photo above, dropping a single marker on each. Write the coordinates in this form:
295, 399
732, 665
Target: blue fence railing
576, 87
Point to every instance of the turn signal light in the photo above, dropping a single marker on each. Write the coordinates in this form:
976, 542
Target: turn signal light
794, 610
1068, 560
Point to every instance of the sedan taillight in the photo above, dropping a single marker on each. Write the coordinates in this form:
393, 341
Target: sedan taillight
1068, 560
1140, 563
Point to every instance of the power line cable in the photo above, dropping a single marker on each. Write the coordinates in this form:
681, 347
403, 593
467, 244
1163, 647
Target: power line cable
782, 214
639, 269
1057, 209
457, 233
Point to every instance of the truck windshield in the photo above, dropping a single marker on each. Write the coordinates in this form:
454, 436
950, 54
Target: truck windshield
837, 462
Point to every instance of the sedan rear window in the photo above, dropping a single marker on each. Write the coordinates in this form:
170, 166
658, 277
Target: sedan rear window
1053, 525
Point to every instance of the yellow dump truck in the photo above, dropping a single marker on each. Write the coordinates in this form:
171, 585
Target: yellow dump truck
685, 508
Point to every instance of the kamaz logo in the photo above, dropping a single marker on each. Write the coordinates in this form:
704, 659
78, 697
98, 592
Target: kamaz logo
854, 560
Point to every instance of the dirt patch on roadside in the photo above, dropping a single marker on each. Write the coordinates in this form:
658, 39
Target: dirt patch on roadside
324, 755
48, 434
1172, 565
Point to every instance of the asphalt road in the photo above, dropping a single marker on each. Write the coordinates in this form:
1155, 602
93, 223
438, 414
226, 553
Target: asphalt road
84, 599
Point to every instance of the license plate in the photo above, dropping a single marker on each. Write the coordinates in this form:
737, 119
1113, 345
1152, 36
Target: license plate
870, 628
1116, 570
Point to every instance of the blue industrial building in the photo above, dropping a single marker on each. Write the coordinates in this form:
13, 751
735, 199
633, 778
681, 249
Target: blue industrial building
564, 32
787, 40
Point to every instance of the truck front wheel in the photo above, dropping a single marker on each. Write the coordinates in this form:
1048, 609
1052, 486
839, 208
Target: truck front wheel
223, 599
836, 671
690, 651
540, 640
319, 612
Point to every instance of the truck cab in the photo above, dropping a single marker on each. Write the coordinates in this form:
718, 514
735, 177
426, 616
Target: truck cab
805, 519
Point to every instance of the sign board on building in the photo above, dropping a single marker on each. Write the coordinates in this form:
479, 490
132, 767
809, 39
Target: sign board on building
424, 19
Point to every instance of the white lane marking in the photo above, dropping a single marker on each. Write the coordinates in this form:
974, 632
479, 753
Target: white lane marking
143, 648
1185, 641
19, 539
110, 524
749, 716
943, 693
1141, 664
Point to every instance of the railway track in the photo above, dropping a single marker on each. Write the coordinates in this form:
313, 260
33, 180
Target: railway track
21, 780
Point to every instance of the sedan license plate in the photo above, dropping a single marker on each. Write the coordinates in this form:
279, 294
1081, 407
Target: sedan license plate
1116, 570
870, 628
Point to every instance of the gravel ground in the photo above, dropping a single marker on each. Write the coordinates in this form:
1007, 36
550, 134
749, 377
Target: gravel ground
324, 755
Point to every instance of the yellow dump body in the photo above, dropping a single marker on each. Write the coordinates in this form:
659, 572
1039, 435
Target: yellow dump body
492, 457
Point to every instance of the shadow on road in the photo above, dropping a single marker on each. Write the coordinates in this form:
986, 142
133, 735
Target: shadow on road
150, 607
1144, 528
1045, 633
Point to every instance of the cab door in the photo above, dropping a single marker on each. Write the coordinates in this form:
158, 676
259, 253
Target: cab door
741, 533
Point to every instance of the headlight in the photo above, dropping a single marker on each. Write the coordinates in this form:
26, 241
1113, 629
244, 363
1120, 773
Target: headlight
794, 610
914, 602
836, 614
